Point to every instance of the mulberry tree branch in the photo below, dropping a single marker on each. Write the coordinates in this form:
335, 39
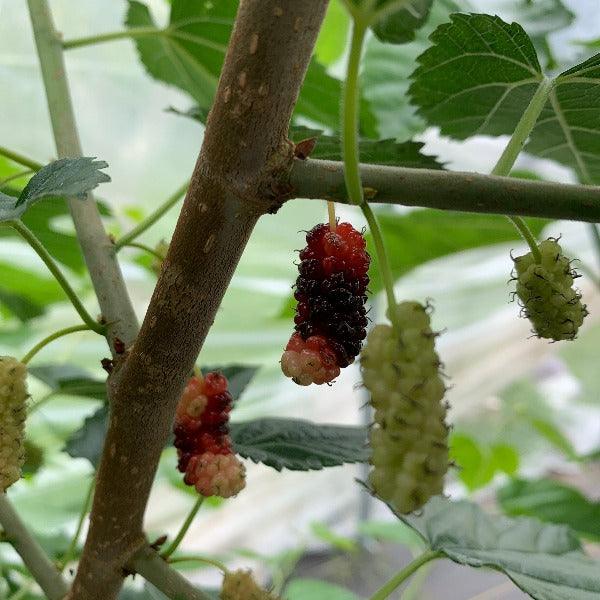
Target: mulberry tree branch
155, 569
450, 190
97, 248
238, 177
34, 557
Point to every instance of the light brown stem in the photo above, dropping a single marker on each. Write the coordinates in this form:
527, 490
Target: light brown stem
236, 180
97, 248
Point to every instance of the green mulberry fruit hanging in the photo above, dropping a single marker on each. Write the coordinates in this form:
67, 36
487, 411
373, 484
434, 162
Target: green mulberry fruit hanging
409, 439
546, 293
13, 410
240, 585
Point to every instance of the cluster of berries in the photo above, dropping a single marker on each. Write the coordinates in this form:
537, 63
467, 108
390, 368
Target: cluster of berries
546, 293
240, 585
202, 438
13, 410
330, 319
409, 439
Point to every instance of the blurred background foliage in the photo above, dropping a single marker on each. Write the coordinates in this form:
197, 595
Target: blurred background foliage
526, 414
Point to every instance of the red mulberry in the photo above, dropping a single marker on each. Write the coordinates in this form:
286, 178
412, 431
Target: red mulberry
202, 438
330, 316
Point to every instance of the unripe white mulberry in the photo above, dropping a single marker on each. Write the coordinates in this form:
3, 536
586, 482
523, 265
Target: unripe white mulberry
547, 295
409, 439
13, 410
240, 585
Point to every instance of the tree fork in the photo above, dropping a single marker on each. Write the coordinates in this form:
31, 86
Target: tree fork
244, 157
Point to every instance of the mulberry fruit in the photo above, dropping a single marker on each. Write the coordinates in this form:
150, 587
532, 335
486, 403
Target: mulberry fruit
330, 316
202, 438
547, 295
409, 438
13, 410
240, 585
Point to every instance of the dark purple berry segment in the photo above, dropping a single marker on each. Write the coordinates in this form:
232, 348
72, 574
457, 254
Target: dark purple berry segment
331, 291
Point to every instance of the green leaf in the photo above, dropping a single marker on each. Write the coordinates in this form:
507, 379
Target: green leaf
555, 436
537, 18
34, 458
568, 129
398, 533
41, 218
385, 73
552, 502
28, 284
310, 589
481, 74
478, 464
399, 27
333, 35
477, 78
545, 561
88, 440
189, 54
65, 177
70, 380
299, 445
23, 308
327, 535
382, 152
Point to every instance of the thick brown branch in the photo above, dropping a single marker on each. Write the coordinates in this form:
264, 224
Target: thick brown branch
235, 181
450, 190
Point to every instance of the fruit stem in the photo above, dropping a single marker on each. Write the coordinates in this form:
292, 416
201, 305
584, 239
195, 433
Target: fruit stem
404, 574
382, 258
85, 509
15, 176
20, 159
145, 248
109, 37
524, 230
351, 155
515, 145
53, 336
152, 218
350, 121
41, 251
196, 557
184, 528
331, 212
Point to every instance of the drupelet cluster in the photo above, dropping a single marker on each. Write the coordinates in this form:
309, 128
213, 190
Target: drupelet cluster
13, 411
409, 438
330, 319
202, 438
546, 293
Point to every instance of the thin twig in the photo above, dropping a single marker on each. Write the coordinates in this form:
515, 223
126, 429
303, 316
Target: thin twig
155, 570
34, 557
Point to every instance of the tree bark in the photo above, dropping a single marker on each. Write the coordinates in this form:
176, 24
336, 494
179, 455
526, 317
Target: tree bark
245, 156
